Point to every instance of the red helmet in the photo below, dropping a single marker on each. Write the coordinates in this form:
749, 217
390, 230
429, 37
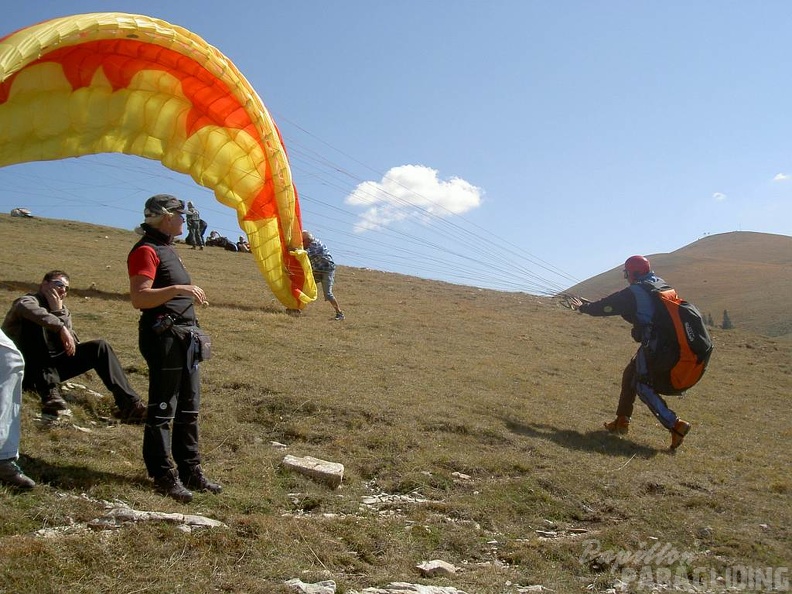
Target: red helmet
636, 266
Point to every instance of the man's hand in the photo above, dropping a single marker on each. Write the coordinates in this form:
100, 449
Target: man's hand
69, 344
573, 301
54, 298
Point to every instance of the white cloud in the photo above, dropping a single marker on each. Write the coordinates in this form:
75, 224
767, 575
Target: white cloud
780, 177
411, 192
719, 197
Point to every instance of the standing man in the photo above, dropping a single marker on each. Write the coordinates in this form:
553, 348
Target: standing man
41, 326
12, 367
635, 305
323, 269
194, 231
161, 288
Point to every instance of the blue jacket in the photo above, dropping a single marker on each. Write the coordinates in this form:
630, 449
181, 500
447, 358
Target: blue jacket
633, 303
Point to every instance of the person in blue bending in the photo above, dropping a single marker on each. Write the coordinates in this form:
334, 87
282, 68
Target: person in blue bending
635, 306
323, 269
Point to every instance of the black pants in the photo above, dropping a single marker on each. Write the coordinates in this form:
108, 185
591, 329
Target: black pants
174, 399
44, 371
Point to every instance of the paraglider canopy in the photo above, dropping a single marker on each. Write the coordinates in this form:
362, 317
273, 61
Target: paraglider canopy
126, 83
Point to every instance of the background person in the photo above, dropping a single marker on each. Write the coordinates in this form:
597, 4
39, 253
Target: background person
195, 230
217, 240
213, 238
323, 269
12, 367
41, 326
635, 378
162, 290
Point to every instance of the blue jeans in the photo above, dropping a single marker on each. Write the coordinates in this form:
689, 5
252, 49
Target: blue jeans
327, 278
12, 368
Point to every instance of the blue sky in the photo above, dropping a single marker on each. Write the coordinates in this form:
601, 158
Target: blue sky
513, 144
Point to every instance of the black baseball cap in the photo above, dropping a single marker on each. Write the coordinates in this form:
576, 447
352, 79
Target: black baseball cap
164, 204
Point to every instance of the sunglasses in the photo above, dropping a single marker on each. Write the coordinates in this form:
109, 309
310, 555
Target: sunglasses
61, 284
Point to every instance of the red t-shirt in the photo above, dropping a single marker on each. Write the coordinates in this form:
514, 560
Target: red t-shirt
144, 262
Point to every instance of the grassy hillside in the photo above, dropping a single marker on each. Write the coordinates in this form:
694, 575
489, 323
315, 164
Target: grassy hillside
474, 415
748, 274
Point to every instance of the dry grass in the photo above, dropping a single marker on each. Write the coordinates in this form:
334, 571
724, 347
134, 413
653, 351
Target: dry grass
423, 380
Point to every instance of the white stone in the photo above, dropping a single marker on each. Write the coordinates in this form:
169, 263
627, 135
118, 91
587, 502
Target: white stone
407, 588
436, 567
331, 473
325, 587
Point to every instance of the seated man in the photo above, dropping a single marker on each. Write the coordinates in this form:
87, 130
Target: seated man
40, 325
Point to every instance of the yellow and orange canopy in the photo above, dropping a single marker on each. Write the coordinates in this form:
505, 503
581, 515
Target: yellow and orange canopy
125, 83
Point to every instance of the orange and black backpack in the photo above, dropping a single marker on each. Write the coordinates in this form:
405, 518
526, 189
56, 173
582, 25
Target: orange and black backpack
678, 343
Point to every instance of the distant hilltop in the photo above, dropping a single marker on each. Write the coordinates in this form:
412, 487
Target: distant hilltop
747, 274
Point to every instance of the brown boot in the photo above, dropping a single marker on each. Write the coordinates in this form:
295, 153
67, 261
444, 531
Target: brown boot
681, 428
169, 485
133, 414
52, 402
619, 426
196, 480
12, 475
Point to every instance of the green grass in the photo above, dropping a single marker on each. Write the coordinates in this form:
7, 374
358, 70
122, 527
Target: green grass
424, 380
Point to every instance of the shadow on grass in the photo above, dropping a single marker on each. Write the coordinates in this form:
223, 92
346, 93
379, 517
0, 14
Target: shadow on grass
72, 476
592, 441
23, 288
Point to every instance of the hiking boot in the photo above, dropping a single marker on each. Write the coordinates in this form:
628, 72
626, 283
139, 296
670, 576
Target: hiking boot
619, 426
12, 475
198, 482
681, 428
53, 402
169, 485
339, 316
133, 414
